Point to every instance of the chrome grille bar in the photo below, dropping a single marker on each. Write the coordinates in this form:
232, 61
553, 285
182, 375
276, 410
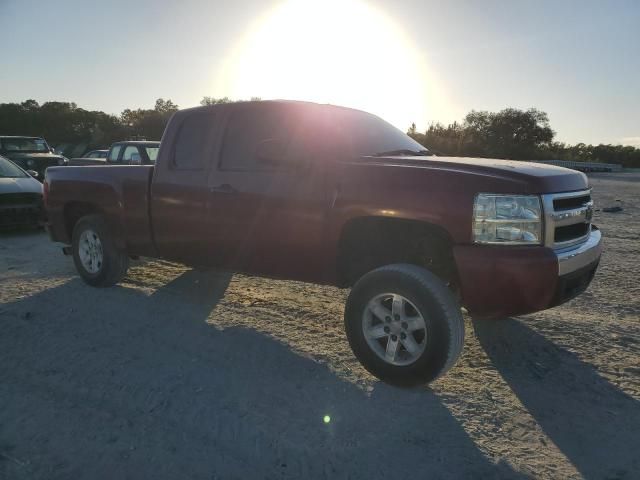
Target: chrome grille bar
564, 218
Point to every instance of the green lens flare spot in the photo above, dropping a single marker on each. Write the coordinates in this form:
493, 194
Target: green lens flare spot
326, 419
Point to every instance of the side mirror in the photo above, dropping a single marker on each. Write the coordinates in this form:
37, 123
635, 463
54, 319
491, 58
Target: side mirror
33, 173
271, 152
135, 159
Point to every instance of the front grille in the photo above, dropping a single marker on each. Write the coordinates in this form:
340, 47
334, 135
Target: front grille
570, 203
570, 232
567, 218
37, 164
17, 216
18, 209
19, 198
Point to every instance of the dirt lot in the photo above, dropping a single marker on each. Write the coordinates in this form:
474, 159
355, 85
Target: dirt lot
180, 374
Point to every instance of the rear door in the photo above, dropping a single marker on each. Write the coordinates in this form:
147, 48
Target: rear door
269, 218
180, 192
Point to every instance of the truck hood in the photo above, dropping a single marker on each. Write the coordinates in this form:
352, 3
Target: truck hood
20, 185
20, 156
440, 190
514, 176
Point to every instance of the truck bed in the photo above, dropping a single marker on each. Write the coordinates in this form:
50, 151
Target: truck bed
121, 193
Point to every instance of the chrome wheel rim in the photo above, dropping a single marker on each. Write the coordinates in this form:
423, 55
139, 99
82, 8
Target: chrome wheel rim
90, 251
394, 329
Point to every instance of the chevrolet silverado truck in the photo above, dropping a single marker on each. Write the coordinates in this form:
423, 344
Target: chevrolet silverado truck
336, 196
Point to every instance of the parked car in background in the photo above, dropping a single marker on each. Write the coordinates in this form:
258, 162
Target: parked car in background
96, 154
82, 161
30, 153
138, 152
338, 196
94, 157
20, 197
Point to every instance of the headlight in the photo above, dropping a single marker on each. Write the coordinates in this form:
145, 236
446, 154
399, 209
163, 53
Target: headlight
61, 161
507, 219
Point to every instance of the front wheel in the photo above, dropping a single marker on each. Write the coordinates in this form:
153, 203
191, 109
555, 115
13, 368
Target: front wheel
404, 325
98, 261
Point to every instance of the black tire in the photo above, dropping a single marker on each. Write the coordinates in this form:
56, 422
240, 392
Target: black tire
114, 263
444, 335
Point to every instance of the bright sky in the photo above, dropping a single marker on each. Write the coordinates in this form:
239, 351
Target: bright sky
405, 60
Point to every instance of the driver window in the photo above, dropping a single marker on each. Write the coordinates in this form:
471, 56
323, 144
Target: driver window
247, 128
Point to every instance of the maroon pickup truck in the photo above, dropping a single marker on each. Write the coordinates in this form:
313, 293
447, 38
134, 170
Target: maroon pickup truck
336, 196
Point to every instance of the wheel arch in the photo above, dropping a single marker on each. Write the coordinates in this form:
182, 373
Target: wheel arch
369, 242
75, 210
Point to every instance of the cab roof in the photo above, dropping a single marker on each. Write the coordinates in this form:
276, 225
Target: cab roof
270, 102
141, 143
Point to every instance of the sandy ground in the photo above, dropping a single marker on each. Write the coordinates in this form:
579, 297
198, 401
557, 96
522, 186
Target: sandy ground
180, 374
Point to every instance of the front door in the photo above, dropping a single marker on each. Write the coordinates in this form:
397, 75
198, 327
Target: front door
269, 216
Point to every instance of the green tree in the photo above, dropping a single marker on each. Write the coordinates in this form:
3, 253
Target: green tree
509, 133
214, 101
219, 101
59, 122
147, 123
165, 107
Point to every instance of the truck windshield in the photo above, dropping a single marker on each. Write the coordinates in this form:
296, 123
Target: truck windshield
369, 135
19, 144
9, 170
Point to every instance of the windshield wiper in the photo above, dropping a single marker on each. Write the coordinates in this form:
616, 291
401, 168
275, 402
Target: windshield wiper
405, 151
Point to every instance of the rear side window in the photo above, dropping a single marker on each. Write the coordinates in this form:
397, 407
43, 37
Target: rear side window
114, 152
192, 145
152, 153
130, 153
246, 129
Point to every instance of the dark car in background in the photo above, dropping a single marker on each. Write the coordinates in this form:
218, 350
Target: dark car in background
133, 152
96, 154
94, 157
30, 153
20, 197
83, 161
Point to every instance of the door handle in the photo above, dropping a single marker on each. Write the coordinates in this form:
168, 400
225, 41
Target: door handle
224, 188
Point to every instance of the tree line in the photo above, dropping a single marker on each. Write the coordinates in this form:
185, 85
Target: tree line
518, 135
66, 125
509, 133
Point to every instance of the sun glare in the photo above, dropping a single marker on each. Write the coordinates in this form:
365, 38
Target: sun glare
342, 52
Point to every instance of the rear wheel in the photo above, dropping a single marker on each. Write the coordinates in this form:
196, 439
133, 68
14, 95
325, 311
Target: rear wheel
404, 325
98, 261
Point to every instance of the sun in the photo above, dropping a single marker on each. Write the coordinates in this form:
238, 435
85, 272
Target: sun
342, 52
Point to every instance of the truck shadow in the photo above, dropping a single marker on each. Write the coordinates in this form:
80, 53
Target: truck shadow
591, 421
113, 383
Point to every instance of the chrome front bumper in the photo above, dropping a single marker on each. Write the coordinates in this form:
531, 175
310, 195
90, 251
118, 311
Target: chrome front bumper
576, 258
